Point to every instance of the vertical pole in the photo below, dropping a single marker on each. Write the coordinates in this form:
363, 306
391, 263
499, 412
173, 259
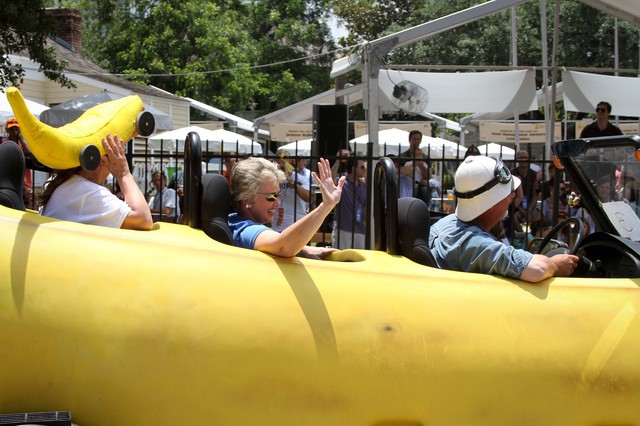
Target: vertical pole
514, 63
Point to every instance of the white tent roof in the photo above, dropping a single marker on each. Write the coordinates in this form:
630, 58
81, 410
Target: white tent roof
497, 150
302, 112
212, 140
508, 115
392, 141
464, 92
583, 91
300, 148
441, 148
628, 10
6, 111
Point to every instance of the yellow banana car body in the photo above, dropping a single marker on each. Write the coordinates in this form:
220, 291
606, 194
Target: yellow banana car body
170, 327
59, 148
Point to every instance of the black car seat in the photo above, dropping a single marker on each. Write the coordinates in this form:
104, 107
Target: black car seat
414, 222
214, 208
12, 168
207, 197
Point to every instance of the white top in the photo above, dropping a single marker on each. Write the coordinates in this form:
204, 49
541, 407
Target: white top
80, 200
284, 214
168, 198
416, 174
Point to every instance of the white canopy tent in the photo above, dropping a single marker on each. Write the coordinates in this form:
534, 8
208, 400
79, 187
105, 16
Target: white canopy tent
441, 148
6, 111
300, 148
496, 150
302, 112
392, 141
220, 140
582, 92
463, 92
370, 55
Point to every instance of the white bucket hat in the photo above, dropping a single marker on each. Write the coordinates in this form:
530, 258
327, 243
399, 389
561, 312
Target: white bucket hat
481, 183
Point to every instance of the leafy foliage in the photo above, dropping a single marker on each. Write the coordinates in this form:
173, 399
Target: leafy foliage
214, 51
24, 27
367, 19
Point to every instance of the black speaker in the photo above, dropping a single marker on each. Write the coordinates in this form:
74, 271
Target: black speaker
330, 130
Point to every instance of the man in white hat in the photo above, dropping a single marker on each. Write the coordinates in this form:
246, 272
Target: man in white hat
484, 188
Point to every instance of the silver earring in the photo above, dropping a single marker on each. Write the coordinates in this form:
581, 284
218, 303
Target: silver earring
247, 206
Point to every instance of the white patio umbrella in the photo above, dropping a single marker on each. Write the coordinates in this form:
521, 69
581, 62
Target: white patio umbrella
435, 147
300, 148
6, 111
390, 141
496, 150
212, 140
395, 141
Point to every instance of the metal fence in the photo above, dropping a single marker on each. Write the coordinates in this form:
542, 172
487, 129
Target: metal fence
144, 161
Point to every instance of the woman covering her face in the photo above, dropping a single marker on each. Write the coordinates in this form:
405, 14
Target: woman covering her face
256, 197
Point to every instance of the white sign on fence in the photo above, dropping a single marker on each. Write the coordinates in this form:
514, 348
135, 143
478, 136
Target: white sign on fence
528, 132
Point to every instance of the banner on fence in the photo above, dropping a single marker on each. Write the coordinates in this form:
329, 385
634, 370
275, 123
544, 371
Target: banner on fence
528, 132
289, 132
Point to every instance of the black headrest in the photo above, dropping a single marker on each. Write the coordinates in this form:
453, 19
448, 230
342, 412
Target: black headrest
414, 221
214, 208
12, 170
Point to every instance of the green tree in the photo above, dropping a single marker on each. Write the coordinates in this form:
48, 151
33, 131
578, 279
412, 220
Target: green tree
24, 28
294, 35
213, 51
368, 20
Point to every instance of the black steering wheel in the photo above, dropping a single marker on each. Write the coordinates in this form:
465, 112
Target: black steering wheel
556, 229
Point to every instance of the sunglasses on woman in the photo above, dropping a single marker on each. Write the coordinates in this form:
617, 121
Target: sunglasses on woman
272, 196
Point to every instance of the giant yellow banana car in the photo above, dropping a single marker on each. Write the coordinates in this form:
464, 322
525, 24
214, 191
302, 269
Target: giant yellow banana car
169, 327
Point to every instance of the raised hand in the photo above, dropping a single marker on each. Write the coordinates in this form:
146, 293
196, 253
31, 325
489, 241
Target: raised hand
331, 192
118, 165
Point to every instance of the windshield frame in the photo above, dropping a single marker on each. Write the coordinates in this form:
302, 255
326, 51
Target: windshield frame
572, 153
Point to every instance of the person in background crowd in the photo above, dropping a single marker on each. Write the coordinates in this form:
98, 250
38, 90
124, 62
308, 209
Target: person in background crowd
415, 164
525, 201
405, 184
472, 150
295, 192
601, 126
349, 217
255, 198
165, 203
461, 241
177, 184
228, 166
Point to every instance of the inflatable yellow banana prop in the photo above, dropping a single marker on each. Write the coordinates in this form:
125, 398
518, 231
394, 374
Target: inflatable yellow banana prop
64, 147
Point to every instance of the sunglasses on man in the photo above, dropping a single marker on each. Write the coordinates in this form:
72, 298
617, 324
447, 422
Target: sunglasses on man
501, 174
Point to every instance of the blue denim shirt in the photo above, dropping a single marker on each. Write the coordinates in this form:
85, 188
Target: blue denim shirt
465, 246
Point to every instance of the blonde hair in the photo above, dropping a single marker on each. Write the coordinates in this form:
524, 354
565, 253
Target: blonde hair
247, 176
